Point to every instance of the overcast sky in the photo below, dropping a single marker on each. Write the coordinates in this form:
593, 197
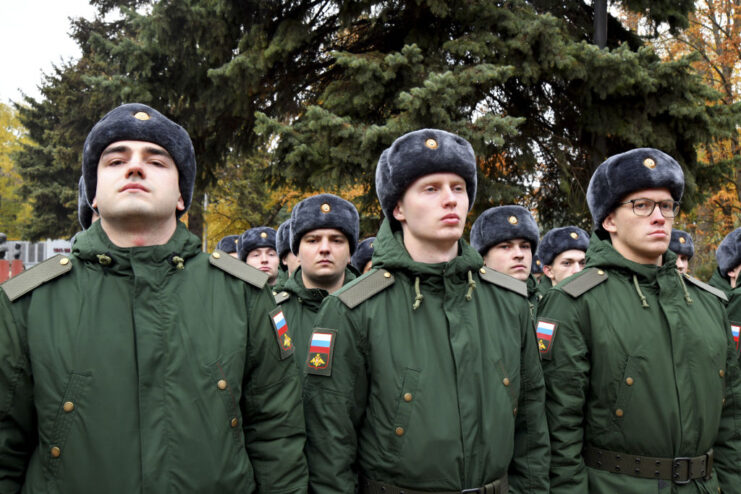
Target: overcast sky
34, 35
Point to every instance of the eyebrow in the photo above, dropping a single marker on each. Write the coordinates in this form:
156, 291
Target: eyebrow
126, 149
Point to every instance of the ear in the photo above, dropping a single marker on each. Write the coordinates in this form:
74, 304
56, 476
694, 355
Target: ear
181, 203
399, 212
548, 272
609, 223
94, 205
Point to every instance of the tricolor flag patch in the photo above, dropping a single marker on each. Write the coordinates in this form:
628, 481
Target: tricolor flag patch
546, 332
735, 332
319, 359
285, 344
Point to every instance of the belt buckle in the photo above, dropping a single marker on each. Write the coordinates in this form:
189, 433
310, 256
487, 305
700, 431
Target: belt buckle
676, 462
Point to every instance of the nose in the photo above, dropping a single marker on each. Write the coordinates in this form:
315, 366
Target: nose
519, 253
135, 167
324, 245
656, 216
449, 198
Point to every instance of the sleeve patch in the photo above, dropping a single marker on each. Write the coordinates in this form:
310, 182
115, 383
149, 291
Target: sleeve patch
736, 332
546, 333
319, 359
282, 336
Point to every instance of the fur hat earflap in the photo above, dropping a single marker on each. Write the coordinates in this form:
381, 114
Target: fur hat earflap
255, 238
324, 211
728, 254
560, 240
502, 223
139, 122
420, 153
621, 174
681, 243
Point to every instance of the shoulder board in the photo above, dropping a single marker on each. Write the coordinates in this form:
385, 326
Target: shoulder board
281, 296
585, 281
365, 287
238, 269
706, 287
33, 278
500, 279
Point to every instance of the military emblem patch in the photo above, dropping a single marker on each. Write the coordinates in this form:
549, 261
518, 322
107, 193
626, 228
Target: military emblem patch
285, 344
546, 332
319, 360
736, 332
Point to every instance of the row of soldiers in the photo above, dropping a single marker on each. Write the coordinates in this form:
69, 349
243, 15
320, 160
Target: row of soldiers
141, 364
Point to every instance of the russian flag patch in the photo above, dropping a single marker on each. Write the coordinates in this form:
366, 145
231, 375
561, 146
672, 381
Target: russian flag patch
319, 359
285, 343
735, 332
546, 332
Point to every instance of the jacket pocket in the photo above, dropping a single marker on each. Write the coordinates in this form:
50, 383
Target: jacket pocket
67, 412
225, 375
404, 405
625, 388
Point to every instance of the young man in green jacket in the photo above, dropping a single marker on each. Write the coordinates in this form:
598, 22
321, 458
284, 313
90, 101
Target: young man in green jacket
728, 256
682, 245
641, 372
140, 364
324, 234
423, 374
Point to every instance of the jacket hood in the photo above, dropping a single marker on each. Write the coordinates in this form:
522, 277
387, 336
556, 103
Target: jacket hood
602, 254
93, 245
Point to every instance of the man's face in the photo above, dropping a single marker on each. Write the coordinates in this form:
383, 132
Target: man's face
137, 179
733, 276
291, 262
513, 257
323, 255
683, 263
565, 264
641, 239
266, 260
433, 210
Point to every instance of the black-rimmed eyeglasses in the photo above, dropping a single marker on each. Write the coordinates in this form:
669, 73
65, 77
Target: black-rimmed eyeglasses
645, 207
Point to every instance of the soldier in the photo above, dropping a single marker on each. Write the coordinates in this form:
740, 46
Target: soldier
642, 377
506, 237
257, 248
140, 364
423, 374
229, 245
324, 234
724, 276
562, 252
728, 256
288, 260
363, 257
681, 244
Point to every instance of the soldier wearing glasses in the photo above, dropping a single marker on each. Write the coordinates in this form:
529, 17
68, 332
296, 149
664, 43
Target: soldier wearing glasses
641, 370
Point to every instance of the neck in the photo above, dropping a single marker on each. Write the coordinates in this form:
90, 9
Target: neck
137, 233
331, 285
430, 253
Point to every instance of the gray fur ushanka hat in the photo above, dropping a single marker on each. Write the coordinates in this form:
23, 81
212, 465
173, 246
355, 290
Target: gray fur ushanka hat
228, 244
681, 243
537, 265
84, 210
621, 174
324, 211
139, 122
560, 240
363, 254
421, 153
502, 223
728, 254
283, 239
255, 238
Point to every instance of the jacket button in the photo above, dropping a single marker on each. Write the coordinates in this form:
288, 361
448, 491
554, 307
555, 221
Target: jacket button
64, 261
387, 275
216, 255
221, 384
600, 272
68, 406
234, 422
407, 397
629, 381
619, 412
482, 270
399, 431
722, 373
505, 381
56, 452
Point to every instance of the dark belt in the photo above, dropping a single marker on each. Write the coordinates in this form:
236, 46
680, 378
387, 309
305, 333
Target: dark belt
368, 486
680, 470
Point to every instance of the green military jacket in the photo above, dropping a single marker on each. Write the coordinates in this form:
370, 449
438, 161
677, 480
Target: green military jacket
720, 282
639, 360
431, 379
300, 306
146, 370
280, 281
